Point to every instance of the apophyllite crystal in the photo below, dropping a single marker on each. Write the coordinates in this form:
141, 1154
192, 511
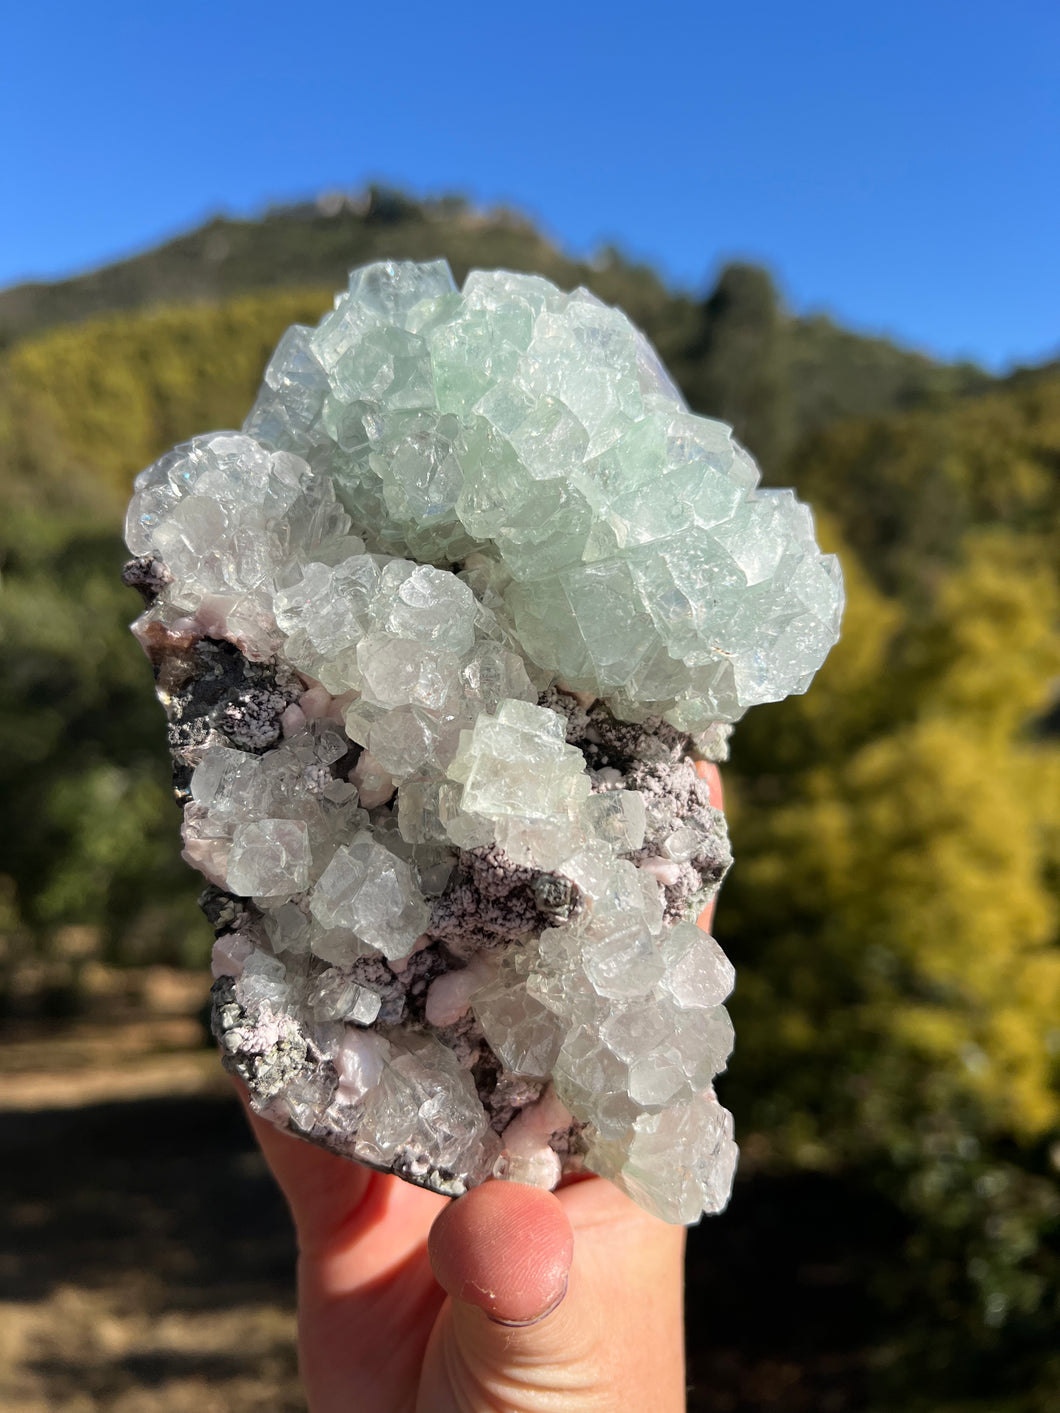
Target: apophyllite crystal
442, 634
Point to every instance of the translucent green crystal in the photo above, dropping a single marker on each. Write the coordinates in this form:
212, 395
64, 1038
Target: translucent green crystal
539, 429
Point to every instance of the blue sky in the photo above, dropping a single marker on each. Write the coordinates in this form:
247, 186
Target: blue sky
896, 165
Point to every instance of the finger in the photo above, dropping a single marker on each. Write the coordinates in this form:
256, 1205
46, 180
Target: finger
507, 1335
708, 771
542, 1308
505, 1249
364, 1281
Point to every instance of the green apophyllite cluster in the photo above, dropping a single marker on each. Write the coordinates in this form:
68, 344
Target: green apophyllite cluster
440, 633
627, 540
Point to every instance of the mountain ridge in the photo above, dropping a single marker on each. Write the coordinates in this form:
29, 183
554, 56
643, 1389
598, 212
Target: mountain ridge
738, 353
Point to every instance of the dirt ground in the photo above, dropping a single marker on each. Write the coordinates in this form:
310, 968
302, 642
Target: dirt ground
146, 1260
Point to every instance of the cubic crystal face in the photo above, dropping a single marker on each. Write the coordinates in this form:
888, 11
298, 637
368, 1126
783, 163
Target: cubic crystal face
443, 634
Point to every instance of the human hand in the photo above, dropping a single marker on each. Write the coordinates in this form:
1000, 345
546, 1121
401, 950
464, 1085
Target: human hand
510, 1298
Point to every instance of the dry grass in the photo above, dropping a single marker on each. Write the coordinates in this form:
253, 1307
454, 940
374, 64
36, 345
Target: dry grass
80, 1351
145, 1259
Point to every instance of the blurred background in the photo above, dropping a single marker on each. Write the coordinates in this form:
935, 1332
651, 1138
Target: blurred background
840, 229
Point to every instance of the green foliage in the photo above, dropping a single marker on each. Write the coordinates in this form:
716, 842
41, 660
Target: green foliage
907, 489
738, 362
893, 916
115, 392
85, 807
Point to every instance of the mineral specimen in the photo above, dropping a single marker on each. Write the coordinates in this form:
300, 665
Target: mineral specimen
441, 634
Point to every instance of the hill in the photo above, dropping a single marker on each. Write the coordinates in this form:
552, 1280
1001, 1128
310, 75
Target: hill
738, 353
315, 244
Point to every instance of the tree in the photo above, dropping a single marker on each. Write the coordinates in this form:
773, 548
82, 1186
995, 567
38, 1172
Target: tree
737, 362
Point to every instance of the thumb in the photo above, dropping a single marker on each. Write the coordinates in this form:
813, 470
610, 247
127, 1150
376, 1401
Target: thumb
510, 1336
513, 1335
504, 1250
